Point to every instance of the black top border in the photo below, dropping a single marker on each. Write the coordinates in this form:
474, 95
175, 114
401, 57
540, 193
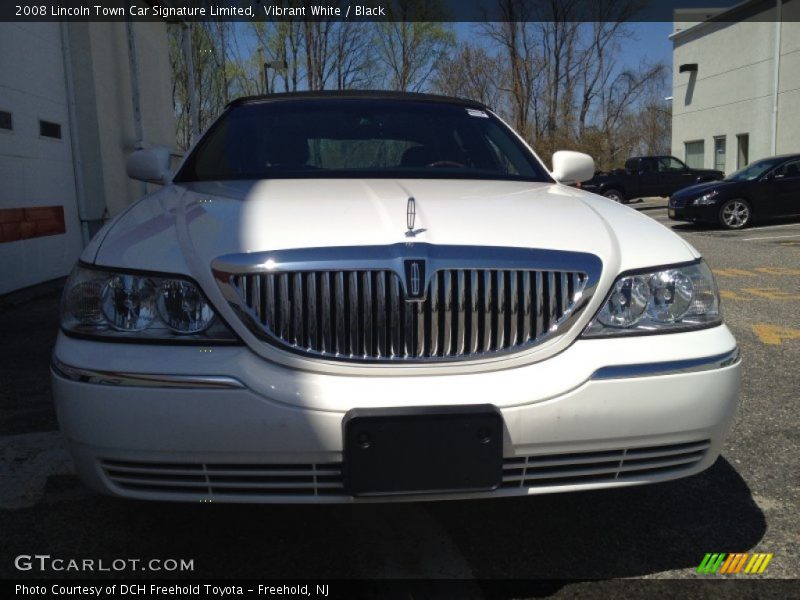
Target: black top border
386, 11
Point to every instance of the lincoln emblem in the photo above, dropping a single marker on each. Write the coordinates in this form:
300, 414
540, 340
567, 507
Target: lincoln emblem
415, 280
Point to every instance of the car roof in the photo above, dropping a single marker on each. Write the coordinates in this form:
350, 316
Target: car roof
360, 95
781, 156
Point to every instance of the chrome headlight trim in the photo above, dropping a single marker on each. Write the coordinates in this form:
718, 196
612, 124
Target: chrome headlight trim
96, 326
694, 318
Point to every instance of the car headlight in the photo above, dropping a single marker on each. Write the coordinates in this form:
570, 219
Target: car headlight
669, 299
118, 305
706, 199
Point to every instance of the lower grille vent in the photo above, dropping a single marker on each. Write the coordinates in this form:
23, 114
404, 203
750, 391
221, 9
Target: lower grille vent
606, 465
282, 480
226, 479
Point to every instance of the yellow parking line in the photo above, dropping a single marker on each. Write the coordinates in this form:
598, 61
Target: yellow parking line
773, 335
771, 293
733, 273
780, 271
731, 295
777, 271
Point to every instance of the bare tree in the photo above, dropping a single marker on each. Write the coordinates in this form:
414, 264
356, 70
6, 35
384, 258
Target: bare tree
517, 47
209, 80
354, 61
411, 44
562, 81
315, 55
319, 58
471, 73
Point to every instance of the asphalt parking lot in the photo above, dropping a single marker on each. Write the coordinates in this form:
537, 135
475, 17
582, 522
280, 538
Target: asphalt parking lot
747, 502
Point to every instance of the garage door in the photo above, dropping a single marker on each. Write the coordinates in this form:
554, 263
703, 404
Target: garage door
695, 152
40, 236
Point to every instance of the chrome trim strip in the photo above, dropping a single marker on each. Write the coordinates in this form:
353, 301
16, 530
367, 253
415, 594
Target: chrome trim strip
692, 365
391, 257
156, 380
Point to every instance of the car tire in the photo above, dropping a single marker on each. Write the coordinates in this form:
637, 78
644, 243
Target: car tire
735, 214
614, 195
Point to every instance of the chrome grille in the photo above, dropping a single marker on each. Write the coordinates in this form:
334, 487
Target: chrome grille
352, 303
365, 314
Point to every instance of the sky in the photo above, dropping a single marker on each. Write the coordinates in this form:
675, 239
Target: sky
651, 42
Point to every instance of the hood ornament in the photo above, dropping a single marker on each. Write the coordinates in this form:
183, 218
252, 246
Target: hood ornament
411, 217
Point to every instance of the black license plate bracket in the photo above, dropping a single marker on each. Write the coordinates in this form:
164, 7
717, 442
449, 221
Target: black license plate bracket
423, 450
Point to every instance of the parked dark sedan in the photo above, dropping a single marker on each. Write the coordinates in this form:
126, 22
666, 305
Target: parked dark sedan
765, 189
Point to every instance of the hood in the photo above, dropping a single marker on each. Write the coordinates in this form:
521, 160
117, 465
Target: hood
183, 228
701, 188
714, 172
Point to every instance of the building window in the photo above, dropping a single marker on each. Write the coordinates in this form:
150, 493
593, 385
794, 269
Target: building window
50, 130
719, 153
694, 154
742, 150
5, 120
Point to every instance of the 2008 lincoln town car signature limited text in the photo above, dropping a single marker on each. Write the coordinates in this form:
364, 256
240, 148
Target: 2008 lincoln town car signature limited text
385, 297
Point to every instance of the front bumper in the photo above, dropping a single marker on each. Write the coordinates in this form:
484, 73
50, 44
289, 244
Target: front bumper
596, 415
689, 212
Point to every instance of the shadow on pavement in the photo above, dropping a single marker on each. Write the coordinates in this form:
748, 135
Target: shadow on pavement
592, 535
608, 534
680, 226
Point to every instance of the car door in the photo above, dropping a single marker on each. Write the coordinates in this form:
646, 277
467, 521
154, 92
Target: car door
785, 197
648, 179
673, 175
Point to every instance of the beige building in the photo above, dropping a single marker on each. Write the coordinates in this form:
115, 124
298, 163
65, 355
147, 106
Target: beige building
75, 100
736, 83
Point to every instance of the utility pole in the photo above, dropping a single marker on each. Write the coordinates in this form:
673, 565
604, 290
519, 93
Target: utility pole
260, 52
188, 56
275, 65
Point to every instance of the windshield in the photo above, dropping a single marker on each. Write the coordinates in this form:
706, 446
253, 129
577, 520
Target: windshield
319, 138
754, 170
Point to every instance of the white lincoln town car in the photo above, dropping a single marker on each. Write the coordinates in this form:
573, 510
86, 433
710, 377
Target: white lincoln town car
369, 296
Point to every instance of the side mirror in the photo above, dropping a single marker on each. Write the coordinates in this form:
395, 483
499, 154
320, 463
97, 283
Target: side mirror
572, 167
149, 164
